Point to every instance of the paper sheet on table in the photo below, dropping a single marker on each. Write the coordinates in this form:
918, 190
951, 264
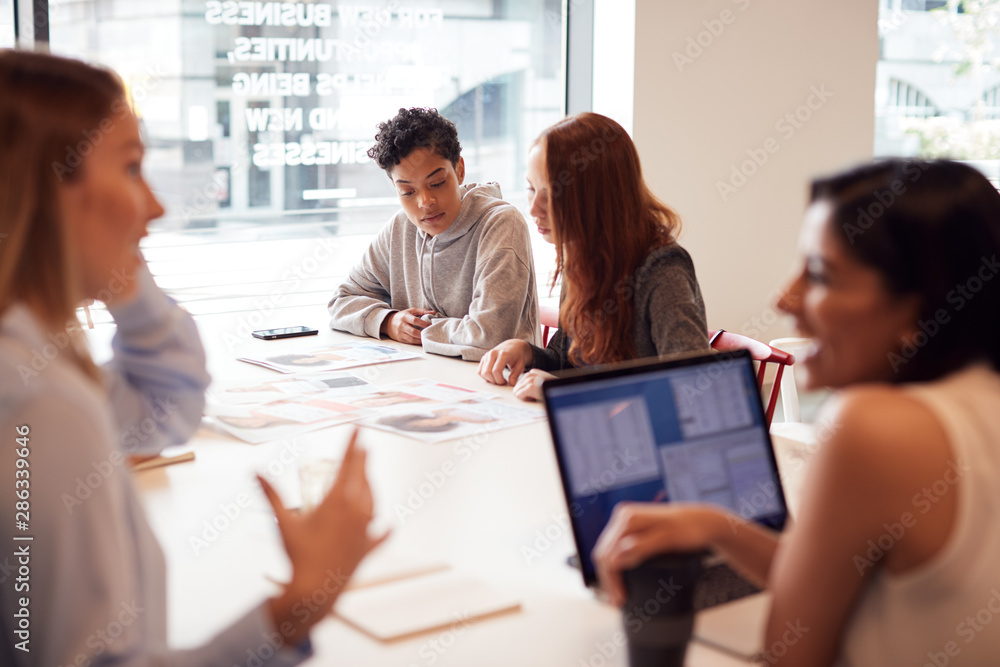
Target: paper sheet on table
261, 411
331, 358
454, 420
337, 384
415, 395
304, 413
384, 566
439, 391
281, 419
422, 604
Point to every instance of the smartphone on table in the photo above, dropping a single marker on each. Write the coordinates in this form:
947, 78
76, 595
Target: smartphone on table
285, 332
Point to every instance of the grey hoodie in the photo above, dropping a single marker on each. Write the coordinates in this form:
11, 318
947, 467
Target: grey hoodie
478, 274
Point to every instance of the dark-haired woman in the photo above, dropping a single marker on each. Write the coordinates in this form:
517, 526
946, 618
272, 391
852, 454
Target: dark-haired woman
894, 557
629, 289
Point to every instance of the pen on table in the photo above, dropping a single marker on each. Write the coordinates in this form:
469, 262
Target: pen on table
138, 463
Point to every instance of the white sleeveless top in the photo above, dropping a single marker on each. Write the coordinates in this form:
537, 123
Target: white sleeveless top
947, 610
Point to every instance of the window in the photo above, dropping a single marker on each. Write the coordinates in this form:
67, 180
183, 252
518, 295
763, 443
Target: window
909, 101
6, 24
258, 115
938, 81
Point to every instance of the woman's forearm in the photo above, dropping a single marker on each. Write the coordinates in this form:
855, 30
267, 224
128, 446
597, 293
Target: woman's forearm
747, 546
157, 378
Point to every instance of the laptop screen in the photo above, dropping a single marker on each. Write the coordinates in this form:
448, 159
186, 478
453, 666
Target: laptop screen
686, 430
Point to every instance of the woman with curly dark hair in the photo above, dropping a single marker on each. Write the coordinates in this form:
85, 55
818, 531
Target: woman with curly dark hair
452, 270
629, 289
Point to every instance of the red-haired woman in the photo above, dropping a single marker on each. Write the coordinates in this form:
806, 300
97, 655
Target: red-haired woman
629, 289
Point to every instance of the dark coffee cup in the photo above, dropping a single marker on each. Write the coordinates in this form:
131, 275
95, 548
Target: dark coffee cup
659, 609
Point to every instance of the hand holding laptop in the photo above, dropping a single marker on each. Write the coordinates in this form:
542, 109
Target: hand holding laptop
639, 531
668, 456
682, 446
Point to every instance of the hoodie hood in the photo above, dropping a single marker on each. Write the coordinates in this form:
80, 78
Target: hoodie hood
477, 275
477, 199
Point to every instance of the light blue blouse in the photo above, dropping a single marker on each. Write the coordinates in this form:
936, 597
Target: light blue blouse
97, 576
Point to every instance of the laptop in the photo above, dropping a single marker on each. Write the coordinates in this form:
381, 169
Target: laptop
684, 429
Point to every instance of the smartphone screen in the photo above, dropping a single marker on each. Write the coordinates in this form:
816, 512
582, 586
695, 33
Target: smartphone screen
286, 332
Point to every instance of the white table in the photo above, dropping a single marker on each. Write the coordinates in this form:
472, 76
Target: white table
500, 516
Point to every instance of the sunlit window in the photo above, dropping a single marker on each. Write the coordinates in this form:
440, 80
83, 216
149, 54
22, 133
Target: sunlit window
938, 81
6, 24
258, 115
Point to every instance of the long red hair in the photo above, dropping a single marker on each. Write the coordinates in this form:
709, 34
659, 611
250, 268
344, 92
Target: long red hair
605, 222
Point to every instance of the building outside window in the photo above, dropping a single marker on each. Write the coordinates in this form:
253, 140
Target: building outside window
938, 81
258, 115
6, 24
261, 112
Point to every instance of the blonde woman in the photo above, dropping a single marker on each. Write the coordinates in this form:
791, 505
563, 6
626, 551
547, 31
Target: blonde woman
73, 208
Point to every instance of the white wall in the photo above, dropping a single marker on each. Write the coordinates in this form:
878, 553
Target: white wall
614, 61
693, 121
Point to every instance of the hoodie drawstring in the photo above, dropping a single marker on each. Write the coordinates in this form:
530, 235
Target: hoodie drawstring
471, 211
420, 269
433, 294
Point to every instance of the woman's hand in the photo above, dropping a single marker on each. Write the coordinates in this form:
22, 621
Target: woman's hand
407, 325
324, 545
529, 387
513, 354
639, 531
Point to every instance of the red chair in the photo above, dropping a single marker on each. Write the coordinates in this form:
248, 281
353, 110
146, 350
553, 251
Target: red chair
763, 353
549, 317
721, 340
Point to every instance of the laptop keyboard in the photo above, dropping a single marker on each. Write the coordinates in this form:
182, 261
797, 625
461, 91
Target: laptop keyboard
719, 584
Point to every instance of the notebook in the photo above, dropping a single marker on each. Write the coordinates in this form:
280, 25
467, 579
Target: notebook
432, 602
685, 429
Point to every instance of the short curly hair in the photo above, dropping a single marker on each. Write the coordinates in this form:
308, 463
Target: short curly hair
411, 129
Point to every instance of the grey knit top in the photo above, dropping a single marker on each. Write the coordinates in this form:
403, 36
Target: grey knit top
668, 311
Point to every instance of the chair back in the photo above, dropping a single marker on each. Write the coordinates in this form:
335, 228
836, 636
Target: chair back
789, 392
762, 353
723, 340
549, 317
